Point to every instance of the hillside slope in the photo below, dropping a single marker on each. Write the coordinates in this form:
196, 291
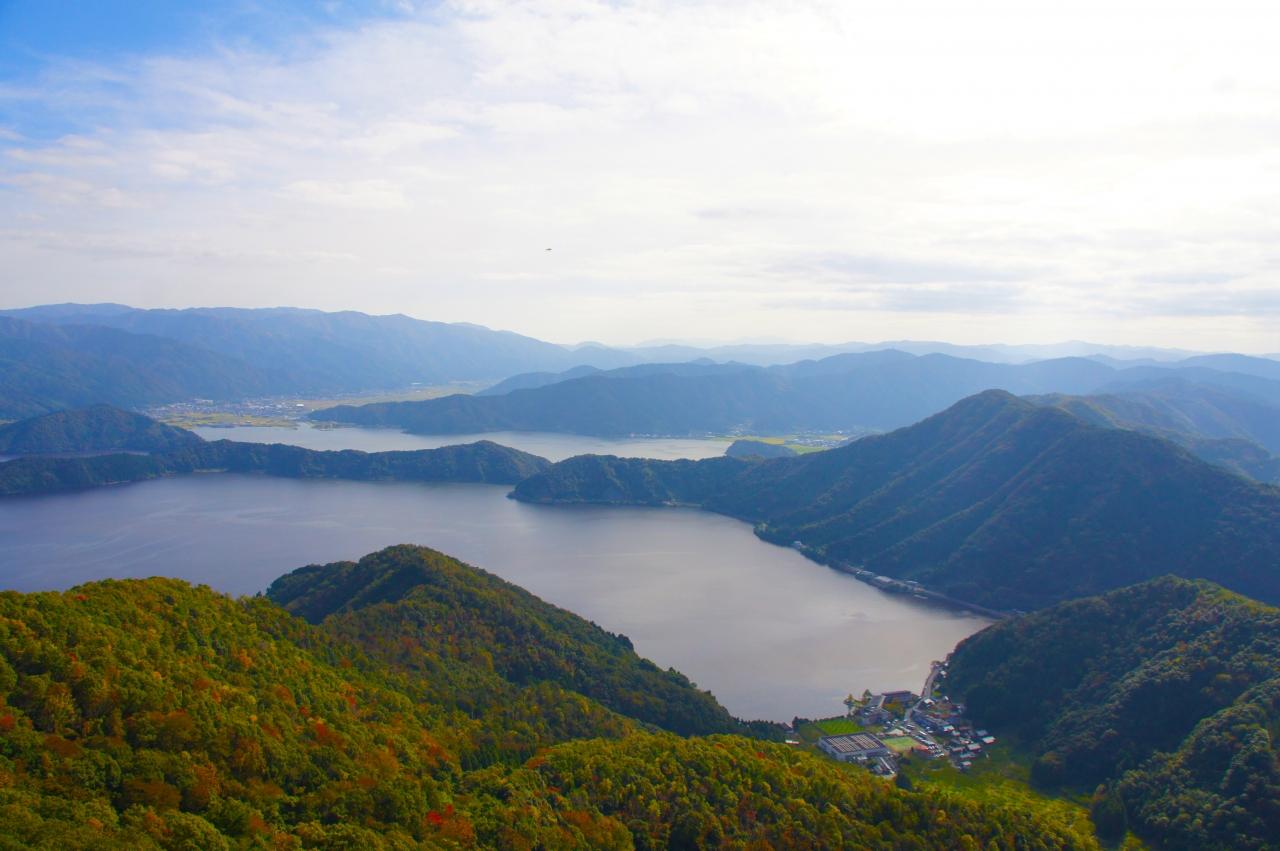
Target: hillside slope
411, 607
1167, 691
46, 368
313, 351
97, 428
877, 390
1229, 429
996, 501
150, 714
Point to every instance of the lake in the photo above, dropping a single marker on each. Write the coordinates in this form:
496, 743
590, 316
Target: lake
770, 633
552, 446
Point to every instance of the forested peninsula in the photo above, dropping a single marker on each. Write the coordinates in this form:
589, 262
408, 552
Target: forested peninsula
157, 450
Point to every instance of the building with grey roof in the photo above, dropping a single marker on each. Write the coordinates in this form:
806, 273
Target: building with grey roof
854, 747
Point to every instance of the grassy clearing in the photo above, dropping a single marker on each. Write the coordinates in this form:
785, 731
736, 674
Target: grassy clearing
839, 726
901, 744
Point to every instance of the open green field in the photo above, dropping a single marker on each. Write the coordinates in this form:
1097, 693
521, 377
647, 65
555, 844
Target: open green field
812, 731
839, 726
900, 744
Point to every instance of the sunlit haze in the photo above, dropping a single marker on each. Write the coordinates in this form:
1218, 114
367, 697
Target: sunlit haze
970, 172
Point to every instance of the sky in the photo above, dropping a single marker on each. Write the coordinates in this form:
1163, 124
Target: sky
972, 172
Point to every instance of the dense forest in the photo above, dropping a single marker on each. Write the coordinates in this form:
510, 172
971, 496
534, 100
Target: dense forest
995, 501
1232, 430
96, 428
1164, 697
149, 713
420, 610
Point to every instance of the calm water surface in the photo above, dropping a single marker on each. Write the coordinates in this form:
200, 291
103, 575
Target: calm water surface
772, 634
555, 447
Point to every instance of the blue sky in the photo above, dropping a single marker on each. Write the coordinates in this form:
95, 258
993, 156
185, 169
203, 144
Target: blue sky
35, 31
997, 171
41, 37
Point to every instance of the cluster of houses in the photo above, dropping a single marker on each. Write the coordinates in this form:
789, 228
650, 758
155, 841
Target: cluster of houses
885, 710
946, 721
937, 727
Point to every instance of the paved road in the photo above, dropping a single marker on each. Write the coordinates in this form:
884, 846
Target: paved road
919, 706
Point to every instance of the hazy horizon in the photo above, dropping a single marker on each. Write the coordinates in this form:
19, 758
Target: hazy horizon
707, 343
618, 172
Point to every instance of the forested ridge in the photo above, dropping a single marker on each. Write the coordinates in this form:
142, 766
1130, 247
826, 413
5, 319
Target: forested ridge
413, 607
168, 451
1165, 693
47, 368
96, 428
62, 356
149, 713
879, 389
995, 501
1234, 431
482, 461
876, 390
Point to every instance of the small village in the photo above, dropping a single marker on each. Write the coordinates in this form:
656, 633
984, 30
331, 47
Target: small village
879, 730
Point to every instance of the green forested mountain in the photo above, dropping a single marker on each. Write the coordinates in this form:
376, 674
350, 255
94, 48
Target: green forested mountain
871, 389
311, 351
875, 390
1168, 692
662, 403
94, 429
1230, 429
483, 461
1241, 456
413, 607
1177, 407
47, 368
534, 380
59, 356
148, 713
995, 501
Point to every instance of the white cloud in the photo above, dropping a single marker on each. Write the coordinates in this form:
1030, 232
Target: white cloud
991, 170
358, 194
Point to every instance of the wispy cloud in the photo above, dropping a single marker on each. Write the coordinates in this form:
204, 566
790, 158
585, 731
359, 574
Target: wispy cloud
698, 169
